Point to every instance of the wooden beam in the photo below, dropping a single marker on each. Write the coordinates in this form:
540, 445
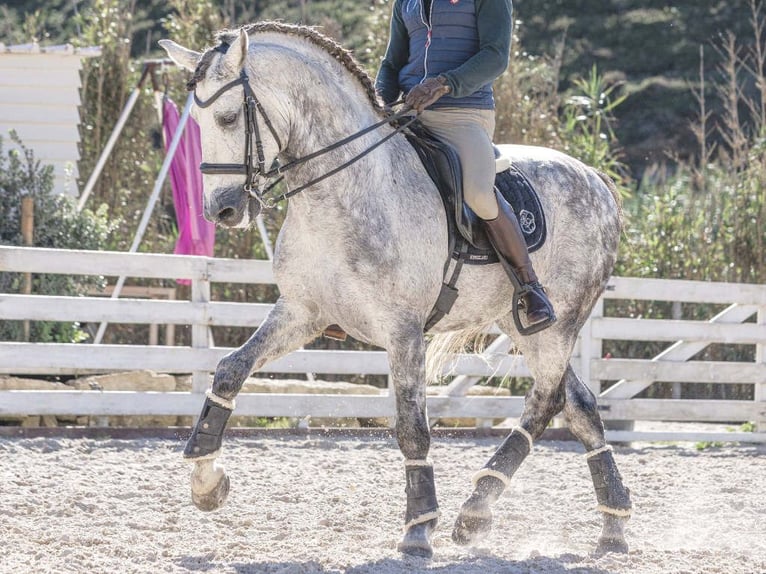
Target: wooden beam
685, 436
629, 329
682, 372
111, 263
19, 358
112, 403
133, 311
685, 291
679, 351
109, 403
679, 410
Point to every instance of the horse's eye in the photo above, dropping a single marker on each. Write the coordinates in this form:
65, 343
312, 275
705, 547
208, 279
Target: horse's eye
227, 119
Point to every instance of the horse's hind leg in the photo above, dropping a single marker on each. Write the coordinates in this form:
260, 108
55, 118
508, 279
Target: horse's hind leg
544, 400
287, 327
613, 498
406, 355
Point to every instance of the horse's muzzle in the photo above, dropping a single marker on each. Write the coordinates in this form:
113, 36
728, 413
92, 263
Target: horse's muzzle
231, 207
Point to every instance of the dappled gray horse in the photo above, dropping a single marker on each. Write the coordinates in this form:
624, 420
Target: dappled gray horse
365, 248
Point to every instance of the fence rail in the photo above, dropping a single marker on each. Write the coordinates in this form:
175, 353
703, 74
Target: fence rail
616, 400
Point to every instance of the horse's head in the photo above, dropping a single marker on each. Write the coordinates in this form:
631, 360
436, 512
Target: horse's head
239, 142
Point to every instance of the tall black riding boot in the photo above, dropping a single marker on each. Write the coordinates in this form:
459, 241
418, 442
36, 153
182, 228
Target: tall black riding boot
505, 234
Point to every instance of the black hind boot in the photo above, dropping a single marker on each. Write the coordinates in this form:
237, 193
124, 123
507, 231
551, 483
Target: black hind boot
506, 236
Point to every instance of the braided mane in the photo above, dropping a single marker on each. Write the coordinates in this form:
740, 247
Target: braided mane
338, 52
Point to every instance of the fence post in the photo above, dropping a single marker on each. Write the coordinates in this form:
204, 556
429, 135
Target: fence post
760, 358
27, 234
199, 331
676, 314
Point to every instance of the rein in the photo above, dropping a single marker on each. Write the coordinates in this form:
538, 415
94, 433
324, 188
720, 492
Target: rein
252, 169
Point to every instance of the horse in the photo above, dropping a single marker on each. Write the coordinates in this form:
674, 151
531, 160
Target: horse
363, 246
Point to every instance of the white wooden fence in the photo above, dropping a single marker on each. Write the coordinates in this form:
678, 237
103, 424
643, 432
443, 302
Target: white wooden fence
688, 338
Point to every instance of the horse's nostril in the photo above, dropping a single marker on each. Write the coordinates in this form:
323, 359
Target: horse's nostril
226, 214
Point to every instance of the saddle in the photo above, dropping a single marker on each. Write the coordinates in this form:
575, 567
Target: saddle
443, 166
468, 241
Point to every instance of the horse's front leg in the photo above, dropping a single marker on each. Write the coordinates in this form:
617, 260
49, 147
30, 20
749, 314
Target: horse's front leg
288, 326
406, 355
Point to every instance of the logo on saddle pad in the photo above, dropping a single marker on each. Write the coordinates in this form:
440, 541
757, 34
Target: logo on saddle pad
527, 221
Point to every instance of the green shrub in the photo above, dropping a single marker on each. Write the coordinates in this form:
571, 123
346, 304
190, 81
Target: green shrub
586, 126
57, 224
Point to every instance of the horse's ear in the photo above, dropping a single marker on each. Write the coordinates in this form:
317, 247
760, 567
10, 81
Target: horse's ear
237, 52
184, 57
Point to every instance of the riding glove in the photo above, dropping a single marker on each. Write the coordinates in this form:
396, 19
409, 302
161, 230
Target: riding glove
426, 93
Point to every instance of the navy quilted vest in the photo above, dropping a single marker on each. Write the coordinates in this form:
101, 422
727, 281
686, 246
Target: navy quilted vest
451, 40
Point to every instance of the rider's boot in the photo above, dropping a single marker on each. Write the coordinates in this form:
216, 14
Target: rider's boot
505, 234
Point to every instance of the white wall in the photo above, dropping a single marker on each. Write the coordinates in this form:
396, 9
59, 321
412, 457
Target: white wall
40, 99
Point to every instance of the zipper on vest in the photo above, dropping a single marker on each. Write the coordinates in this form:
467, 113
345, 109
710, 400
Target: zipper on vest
428, 35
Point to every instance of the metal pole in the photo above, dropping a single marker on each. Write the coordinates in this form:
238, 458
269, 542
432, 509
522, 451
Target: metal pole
264, 237
151, 202
113, 138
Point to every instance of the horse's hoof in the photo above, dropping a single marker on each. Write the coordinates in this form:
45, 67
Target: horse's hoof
473, 523
417, 540
617, 545
212, 499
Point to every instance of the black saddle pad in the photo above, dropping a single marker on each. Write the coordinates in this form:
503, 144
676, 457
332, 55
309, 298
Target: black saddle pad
516, 189
443, 165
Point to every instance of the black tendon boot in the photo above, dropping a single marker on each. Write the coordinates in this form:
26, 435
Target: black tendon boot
613, 500
612, 496
422, 512
475, 519
506, 236
207, 435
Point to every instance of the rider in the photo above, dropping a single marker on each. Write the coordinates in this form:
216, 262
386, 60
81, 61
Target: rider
444, 55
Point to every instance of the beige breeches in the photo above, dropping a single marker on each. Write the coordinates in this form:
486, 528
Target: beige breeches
469, 131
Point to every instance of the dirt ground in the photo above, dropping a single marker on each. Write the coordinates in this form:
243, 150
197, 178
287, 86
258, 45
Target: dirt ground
335, 505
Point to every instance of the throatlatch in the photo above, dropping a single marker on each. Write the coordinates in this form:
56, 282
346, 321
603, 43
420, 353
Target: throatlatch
205, 440
421, 494
613, 497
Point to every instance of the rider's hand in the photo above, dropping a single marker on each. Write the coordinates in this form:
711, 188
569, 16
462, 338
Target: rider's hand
426, 93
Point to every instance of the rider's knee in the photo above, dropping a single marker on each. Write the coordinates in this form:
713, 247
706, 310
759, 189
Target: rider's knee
481, 200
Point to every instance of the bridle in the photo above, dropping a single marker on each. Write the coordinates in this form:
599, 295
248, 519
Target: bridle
253, 166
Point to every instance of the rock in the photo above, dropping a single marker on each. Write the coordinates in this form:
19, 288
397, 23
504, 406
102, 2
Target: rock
131, 381
127, 381
297, 386
22, 384
474, 391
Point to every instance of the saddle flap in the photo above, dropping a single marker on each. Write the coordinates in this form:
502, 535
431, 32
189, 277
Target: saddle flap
443, 166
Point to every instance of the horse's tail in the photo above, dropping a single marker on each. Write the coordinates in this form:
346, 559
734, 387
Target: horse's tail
443, 348
609, 182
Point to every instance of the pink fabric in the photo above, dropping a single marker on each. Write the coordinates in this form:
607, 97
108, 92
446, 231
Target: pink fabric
196, 235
